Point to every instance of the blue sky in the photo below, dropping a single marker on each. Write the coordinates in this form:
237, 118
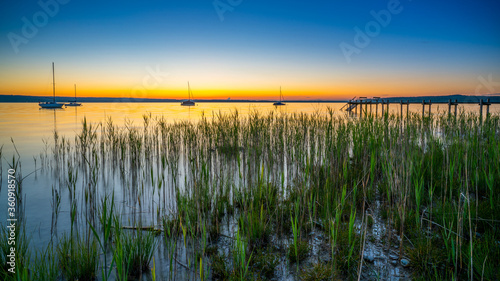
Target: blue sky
106, 48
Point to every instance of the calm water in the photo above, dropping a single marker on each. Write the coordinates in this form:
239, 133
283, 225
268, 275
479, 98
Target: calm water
29, 126
32, 131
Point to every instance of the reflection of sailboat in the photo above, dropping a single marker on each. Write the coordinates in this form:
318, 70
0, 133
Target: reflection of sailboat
188, 102
52, 104
281, 100
55, 121
73, 103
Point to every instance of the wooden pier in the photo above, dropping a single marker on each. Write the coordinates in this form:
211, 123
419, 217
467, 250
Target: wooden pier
355, 103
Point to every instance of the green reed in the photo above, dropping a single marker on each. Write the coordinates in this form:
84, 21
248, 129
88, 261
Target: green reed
240, 260
277, 176
121, 257
22, 253
46, 265
78, 258
106, 218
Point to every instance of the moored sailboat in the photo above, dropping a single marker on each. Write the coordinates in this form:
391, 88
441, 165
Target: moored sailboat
53, 103
73, 103
188, 102
280, 102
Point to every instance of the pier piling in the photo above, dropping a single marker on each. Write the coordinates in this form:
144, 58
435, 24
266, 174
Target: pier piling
407, 109
357, 104
401, 110
487, 108
481, 111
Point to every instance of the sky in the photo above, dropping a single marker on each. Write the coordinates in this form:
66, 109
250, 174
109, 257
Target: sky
248, 49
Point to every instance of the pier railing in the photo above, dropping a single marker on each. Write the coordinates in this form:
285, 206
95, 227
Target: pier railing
373, 104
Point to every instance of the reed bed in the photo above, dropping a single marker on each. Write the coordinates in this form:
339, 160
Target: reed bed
280, 195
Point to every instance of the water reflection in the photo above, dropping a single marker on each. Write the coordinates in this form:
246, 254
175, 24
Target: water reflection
145, 165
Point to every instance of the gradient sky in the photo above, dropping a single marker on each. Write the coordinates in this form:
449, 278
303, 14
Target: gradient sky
152, 48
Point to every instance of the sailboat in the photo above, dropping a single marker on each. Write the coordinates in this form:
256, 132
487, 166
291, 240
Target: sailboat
188, 102
74, 103
52, 104
281, 100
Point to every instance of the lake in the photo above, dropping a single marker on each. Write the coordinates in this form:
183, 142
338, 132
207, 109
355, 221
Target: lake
29, 126
145, 189
32, 130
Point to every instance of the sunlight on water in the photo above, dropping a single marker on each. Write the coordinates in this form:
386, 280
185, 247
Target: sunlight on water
29, 126
32, 131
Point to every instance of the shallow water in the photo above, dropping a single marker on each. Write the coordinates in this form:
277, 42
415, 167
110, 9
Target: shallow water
32, 132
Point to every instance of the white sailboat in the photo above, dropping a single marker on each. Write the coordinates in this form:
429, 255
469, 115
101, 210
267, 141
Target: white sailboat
281, 100
188, 102
73, 103
52, 104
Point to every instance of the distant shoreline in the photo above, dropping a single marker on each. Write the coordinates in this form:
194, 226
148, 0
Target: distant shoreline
435, 99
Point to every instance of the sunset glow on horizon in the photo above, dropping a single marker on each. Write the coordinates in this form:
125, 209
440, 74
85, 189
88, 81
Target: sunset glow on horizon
249, 49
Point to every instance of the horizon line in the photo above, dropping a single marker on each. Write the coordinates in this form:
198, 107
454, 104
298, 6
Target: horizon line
34, 99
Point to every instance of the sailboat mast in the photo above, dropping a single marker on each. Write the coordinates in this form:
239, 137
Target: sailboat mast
189, 92
53, 82
75, 92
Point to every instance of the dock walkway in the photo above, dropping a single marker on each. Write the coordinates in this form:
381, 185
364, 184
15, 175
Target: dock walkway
368, 103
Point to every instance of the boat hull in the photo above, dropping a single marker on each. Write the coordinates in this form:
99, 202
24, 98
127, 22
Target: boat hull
50, 105
73, 104
278, 103
188, 103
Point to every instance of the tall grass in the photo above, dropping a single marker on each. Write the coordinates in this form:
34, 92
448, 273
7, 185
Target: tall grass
78, 258
265, 179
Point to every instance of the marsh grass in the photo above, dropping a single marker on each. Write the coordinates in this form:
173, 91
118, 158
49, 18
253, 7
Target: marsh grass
317, 272
220, 269
78, 258
106, 219
138, 250
485, 248
426, 258
265, 261
298, 251
22, 253
241, 258
275, 178
46, 265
